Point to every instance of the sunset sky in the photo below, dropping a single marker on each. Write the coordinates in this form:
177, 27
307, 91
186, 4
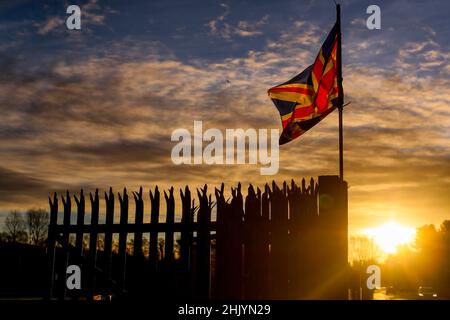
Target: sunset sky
96, 107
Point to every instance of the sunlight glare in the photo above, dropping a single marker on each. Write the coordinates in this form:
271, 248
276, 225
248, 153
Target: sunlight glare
390, 235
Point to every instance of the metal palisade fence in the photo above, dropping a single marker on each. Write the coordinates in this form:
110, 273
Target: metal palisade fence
286, 242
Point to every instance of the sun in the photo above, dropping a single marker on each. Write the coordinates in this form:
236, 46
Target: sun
390, 235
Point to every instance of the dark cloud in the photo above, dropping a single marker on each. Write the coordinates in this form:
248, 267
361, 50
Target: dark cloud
120, 152
17, 187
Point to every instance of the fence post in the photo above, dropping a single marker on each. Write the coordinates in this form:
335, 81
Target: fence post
203, 245
153, 245
279, 242
295, 268
51, 242
139, 219
167, 272
170, 220
80, 222
122, 257
155, 280
107, 263
187, 218
65, 244
233, 221
265, 239
221, 245
92, 256
333, 214
252, 245
136, 278
186, 234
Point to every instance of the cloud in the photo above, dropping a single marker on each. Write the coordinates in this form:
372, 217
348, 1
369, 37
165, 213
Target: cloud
213, 24
17, 189
91, 14
247, 29
219, 27
427, 55
300, 34
430, 31
358, 22
49, 25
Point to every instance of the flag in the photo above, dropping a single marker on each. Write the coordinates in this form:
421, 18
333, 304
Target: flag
311, 95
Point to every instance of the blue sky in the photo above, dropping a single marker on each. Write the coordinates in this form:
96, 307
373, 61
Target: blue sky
96, 107
213, 30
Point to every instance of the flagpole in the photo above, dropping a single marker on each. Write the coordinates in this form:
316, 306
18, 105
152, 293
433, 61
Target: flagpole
341, 92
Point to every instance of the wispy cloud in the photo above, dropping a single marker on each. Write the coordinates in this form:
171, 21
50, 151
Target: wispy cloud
91, 14
49, 25
423, 56
358, 22
219, 27
94, 14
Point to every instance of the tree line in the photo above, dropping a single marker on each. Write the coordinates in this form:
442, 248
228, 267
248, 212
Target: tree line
29, 227
427, 263
32, 227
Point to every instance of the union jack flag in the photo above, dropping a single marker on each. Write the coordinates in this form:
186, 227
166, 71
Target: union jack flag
311, 95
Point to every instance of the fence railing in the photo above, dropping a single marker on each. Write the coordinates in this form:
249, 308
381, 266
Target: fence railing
287, 242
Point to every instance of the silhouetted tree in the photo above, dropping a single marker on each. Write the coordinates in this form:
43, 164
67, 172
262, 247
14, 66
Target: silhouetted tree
130, 246
101, 242
15, 230
445, 226
427, 238
445, 231
72, 240
428, 264
145, 246
37, 223
364, 251
161, 252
